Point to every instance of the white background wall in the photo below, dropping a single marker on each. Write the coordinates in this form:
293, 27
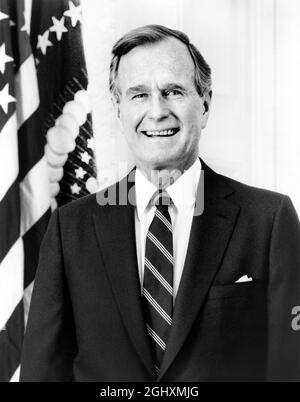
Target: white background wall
253, 47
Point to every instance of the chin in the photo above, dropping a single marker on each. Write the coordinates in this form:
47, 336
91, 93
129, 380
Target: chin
161, 163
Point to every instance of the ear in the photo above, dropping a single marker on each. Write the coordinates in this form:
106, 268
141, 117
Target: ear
116, 104
206, 104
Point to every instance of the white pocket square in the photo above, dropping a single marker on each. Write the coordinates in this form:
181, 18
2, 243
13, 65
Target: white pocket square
244, 278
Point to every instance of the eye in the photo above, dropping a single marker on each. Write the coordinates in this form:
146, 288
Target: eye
140, 96
174, 92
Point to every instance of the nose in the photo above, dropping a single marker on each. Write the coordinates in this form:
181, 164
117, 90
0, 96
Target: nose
158, 108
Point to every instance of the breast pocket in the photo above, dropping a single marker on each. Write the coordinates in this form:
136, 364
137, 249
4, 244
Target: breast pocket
237, 290
234, 325
235, 315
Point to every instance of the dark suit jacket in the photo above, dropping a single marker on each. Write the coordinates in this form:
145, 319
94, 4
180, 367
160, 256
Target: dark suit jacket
86, 322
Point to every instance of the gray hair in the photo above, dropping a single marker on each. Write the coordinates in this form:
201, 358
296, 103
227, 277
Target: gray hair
150, 34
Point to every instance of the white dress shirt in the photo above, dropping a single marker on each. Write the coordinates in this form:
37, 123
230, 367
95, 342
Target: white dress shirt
183, 194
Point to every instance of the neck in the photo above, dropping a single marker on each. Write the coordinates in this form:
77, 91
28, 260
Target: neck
163, 177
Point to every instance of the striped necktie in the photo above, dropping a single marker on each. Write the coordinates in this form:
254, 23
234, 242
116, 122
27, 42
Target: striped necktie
158, 279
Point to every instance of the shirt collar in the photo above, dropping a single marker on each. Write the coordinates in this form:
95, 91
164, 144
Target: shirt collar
182, 192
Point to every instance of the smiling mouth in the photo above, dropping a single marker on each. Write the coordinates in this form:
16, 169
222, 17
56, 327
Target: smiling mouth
161, 133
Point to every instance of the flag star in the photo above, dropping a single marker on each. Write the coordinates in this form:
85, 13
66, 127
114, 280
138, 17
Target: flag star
85, 157
4, 58
80, 173
5, 98
3, 16
58, 27
74, 13
43, 42
12, 23
91, 143
75, 189
37, 62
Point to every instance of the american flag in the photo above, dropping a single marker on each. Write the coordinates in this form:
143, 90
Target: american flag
46, 146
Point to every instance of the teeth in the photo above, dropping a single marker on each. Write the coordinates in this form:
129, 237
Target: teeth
160, 133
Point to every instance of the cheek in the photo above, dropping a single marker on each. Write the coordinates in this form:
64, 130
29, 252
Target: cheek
130, 118
194, 122
191, 114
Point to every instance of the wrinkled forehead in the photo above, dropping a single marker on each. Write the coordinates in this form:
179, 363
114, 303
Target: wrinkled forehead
166, 61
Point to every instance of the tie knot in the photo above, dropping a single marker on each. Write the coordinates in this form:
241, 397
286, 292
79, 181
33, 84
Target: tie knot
161, 200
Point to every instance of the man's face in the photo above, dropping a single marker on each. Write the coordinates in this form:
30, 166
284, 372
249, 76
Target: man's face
160, 110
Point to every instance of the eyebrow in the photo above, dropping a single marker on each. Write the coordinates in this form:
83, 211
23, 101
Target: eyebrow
136, 89
143, 88
171, 86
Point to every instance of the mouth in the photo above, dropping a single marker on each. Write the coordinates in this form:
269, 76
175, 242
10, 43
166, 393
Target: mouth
161, 133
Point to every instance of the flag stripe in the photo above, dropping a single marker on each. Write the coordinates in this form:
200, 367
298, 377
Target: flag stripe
11, 281
26, 301
34, 202
15, 331
10, 343
9, 164
30, 139
19, 37
9, 212
33, 236
26, 90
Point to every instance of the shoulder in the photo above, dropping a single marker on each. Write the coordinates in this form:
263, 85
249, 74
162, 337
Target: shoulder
260, 206
84, 206
254, 200
254, 196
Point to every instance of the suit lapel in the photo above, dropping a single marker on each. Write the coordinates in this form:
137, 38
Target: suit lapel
116, 235
209, 237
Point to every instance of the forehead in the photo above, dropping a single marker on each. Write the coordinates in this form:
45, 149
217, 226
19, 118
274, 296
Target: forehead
166, 61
